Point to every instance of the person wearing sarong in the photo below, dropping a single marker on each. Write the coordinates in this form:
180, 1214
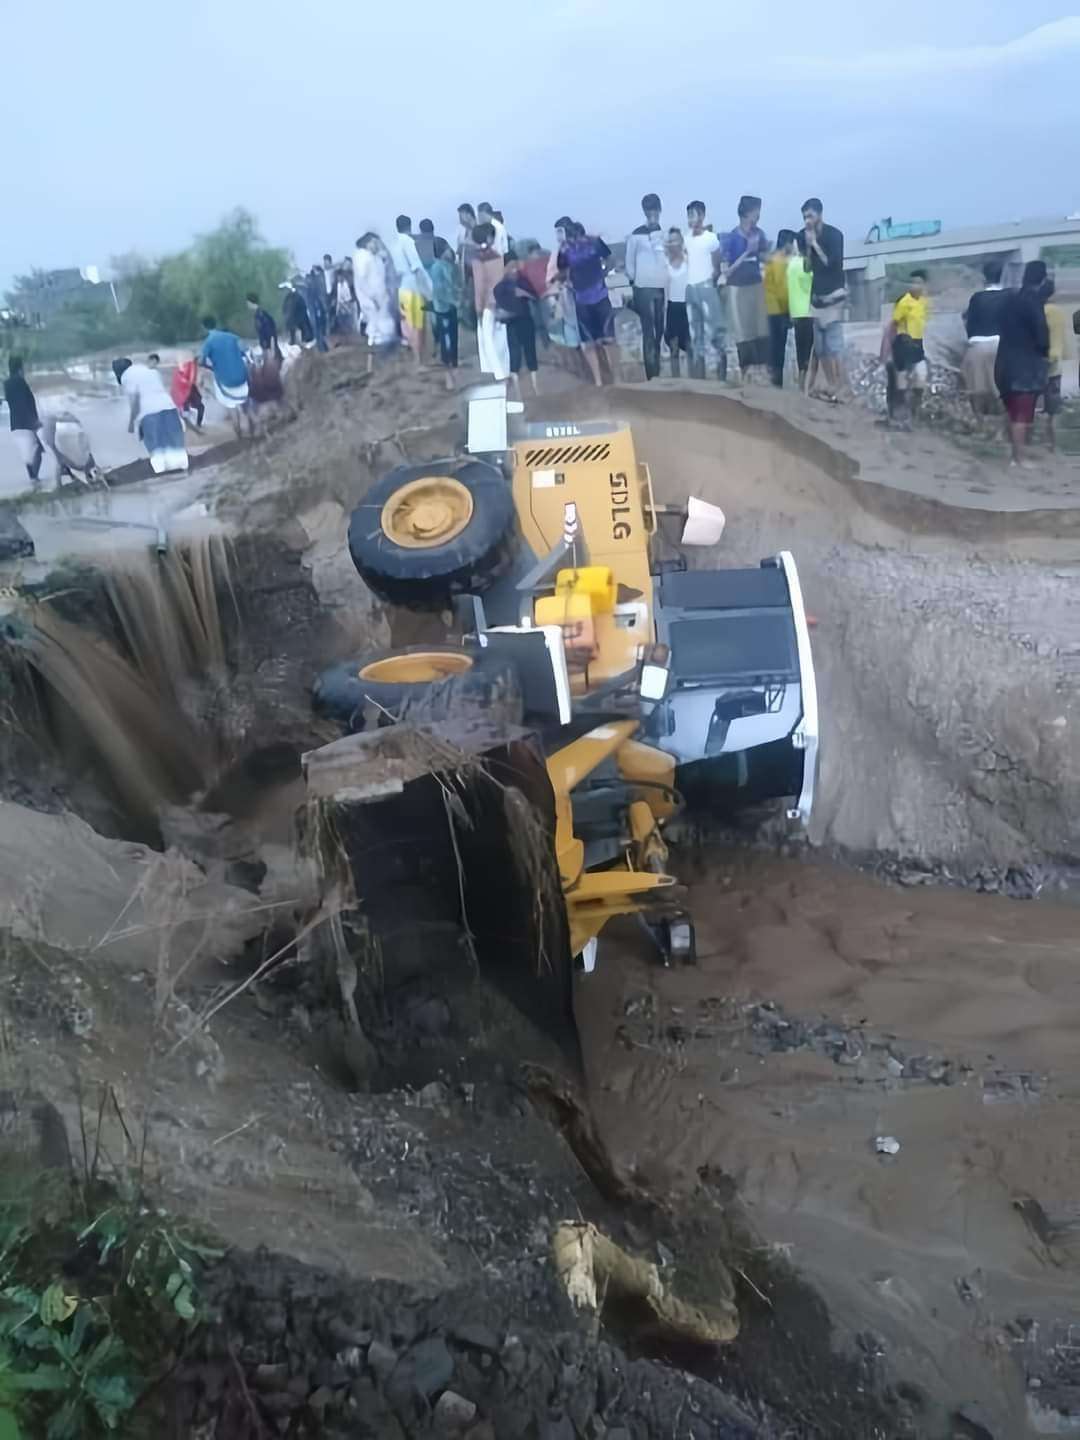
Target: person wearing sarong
373, 294
982, 321
742, 251
22, 409
155, 415
223, 355
487, 270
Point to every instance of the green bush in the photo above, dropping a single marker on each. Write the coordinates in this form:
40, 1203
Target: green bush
92, 1310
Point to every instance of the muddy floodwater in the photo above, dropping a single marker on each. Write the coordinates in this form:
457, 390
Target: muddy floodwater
828, 1012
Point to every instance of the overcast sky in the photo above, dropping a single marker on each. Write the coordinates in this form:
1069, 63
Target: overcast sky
133, 126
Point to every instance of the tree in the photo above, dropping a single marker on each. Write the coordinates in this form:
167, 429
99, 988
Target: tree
162, 302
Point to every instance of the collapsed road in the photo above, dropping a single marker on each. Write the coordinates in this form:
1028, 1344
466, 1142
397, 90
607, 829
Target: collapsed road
373, 1110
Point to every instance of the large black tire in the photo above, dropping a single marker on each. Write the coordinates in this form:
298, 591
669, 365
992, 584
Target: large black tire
489, 688
429, 578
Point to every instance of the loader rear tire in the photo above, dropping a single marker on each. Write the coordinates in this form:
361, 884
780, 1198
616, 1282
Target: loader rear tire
426, 533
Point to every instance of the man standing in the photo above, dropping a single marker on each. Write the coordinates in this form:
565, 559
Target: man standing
25, 424
824, 259
777, 305
982, 321
584, 259
466, 225
428, 244
514, 297
265, 326
446, 286
1023, 359
414, 285
800, 282
708, 333
910, 314
646, 269
1059, 349
487, 216
223, 355
315, 294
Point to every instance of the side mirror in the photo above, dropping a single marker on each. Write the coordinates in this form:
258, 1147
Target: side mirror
655, 672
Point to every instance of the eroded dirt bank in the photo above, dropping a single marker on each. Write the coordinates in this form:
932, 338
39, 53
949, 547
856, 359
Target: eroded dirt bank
737, 1104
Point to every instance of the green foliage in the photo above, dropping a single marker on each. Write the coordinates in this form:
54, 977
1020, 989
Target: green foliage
161, 303
75, 1356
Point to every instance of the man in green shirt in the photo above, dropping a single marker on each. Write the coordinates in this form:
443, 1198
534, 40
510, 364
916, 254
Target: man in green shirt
799, 281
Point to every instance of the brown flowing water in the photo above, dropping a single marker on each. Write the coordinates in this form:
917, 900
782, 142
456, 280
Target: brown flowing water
138, 710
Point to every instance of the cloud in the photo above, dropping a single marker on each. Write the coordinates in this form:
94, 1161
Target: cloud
923, 62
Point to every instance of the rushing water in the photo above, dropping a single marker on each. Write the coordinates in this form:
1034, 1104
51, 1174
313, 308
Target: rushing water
138, 703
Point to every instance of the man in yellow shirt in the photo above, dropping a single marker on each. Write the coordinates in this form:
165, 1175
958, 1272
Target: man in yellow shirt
776, 302
910, 315
1059, 349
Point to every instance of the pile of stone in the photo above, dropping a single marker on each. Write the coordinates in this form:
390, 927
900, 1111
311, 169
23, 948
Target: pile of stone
296, 1352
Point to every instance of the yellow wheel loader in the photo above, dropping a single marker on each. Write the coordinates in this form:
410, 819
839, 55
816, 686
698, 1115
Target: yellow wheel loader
628, 680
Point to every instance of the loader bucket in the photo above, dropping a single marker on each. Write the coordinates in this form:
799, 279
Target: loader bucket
449, 828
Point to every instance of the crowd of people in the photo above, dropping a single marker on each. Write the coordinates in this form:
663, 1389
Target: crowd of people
700, 289
693, 291
697, 291
1017, 342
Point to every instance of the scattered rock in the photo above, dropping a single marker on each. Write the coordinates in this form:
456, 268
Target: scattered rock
433, 1094
480, 1337
347, 1335
381, 1359
428, 1367
453, 1411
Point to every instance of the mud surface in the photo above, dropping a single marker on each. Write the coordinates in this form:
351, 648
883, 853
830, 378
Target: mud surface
827, 1011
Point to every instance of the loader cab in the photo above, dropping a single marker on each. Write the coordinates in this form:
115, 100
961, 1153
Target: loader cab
739, 706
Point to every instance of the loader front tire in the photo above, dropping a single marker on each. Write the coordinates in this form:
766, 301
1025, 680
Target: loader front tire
426, 533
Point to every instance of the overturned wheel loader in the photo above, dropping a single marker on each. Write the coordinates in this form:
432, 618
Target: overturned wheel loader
593, 684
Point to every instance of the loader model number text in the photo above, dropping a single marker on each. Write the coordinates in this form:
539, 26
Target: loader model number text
620, 505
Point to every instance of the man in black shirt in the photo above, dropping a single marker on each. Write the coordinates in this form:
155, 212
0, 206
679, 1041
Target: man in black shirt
824, 258
982, 320
24, 418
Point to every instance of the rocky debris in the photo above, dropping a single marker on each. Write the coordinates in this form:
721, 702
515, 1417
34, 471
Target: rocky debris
453, 1411
273, 1348
762, 1027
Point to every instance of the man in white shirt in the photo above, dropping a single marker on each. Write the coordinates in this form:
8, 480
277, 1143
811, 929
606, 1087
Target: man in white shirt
487, 216
646, 269
704, 304
414, 285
